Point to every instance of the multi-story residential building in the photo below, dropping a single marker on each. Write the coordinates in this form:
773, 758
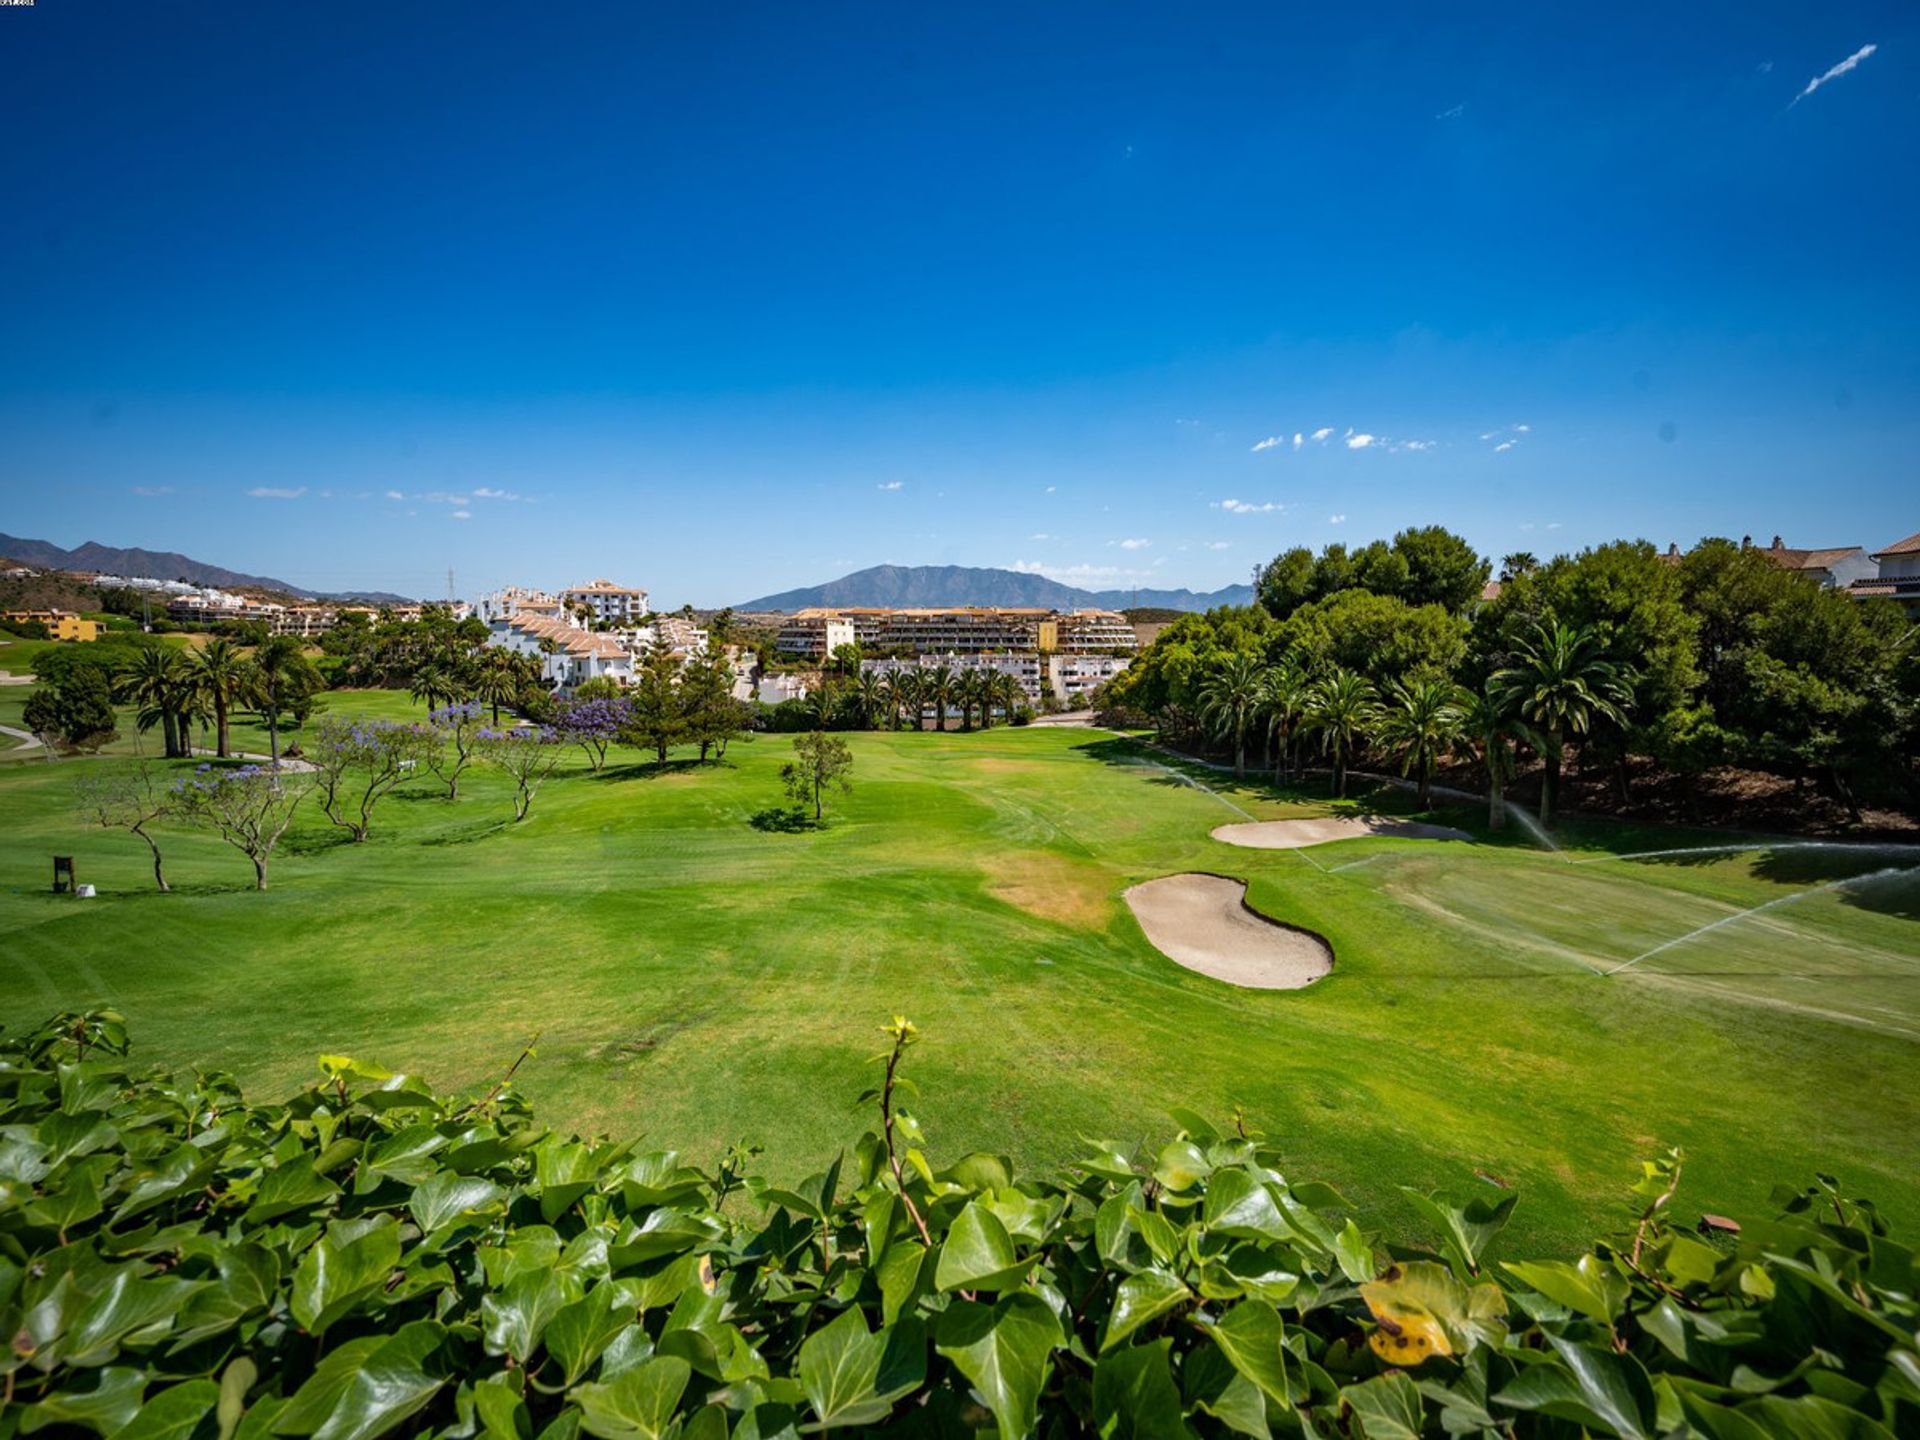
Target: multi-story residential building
218, 607
606, 603
681, 637
959, 629
519, 600
568, 653
1023, 665
776, 689
1073, 678
59, 624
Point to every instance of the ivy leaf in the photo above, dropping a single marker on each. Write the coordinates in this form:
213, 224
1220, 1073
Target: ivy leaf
514, 1318
900, 1275
1214, 1386
289, 1187
447, 1197
579, 1332
1005, 1350
1388, 1406
1250, 1335
1591, 1287
1595, 1388
173, 1413
1134, 1397
852, 1376
394, 1381
1141, 1298
307, 1411
1354, 1254
128, 1303
1465, 1230
639, 1404
1241, 1205
346, 1265
108, 1401
978, 1253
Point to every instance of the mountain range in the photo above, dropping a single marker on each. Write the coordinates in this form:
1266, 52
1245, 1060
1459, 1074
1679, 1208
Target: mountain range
909, 586
165, 565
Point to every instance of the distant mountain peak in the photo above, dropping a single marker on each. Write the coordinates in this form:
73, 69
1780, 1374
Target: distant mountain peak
162, 565
908, 586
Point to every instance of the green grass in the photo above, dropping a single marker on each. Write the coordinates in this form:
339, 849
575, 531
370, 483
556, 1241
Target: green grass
700, 980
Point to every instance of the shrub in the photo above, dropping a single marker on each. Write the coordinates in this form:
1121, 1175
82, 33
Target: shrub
371, 1256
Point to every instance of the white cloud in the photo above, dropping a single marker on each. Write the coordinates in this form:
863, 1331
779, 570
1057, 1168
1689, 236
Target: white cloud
1322, 433
1247, 507
1219, 545
891, 484
1269, 443
151, 492
483, 493
1553, 525
1452, 112
276, 492
463, 514
1522, 429
1833, 73
395, 495
1041, 536
1413, 444
444, 497
1504, 445
1081, 574
1359, 442
1765, 67
1336, 519
1131, 544
1052, 488
1298, 439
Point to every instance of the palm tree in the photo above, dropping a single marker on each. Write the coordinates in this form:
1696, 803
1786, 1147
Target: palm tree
937, 690
1559, 683
870, 694
1489, 722
903, 694
274, 664
496, 681
155, 680
218, 671
1422, 722
1341, 711
966, 690
1283, 701
1519, 563
1002, 690
431, 683
1230, 699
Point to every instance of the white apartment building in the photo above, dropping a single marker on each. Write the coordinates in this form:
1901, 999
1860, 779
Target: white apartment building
518, 600
567, 653
1072, 678
607, 603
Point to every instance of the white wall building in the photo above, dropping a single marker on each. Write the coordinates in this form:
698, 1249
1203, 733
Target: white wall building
1072, 678
607, 603
568, 655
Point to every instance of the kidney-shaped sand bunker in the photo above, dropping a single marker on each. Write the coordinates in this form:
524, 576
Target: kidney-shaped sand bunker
1203, 923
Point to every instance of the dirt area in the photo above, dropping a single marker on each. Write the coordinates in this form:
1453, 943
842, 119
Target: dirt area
1203, 923
1298, 834
1052, 888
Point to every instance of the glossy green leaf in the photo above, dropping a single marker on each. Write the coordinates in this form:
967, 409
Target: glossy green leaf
1141, 1298
639, 1404
978, 1253
1004, 1349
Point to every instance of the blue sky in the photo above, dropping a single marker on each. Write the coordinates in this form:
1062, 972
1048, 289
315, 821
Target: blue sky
724, 300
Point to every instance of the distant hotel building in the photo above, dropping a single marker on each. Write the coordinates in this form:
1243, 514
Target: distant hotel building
960, 630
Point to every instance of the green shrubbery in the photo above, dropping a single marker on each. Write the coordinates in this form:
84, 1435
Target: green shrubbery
371, 1257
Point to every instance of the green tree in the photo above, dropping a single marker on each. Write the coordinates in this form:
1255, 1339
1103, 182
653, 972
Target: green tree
1441, 568
280, 675
130, 798
154, 680
497, 679
1284, 689
1420, 723
1230, 702
219, 673
1560, 684
1342, 711
936, 689
1379, 636
821, 762
658, 722
1286, 582
1490, 723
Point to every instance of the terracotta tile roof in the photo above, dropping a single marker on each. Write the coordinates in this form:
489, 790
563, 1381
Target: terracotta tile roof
1908, 546
1789, 558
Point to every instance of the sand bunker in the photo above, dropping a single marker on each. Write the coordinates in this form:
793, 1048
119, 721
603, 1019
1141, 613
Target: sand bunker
1297, 834
1203, 923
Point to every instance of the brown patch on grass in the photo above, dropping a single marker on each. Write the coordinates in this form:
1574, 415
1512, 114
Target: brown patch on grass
1053, 887
997, 765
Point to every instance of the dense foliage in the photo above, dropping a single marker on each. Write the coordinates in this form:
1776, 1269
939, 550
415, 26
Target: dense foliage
1679, 664
372, 1257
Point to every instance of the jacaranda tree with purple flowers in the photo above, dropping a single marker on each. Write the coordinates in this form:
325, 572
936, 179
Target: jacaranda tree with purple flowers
528, 754
456, 731
249, 808
593, 724
359, 761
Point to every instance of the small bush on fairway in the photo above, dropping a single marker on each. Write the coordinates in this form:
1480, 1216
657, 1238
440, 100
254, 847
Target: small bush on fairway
372, 1257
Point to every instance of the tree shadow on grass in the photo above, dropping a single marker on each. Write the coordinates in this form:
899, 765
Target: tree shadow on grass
783, 820
468, 834
647, 770
315, 842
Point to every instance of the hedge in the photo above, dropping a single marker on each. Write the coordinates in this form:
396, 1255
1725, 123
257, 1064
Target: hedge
371, 1257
